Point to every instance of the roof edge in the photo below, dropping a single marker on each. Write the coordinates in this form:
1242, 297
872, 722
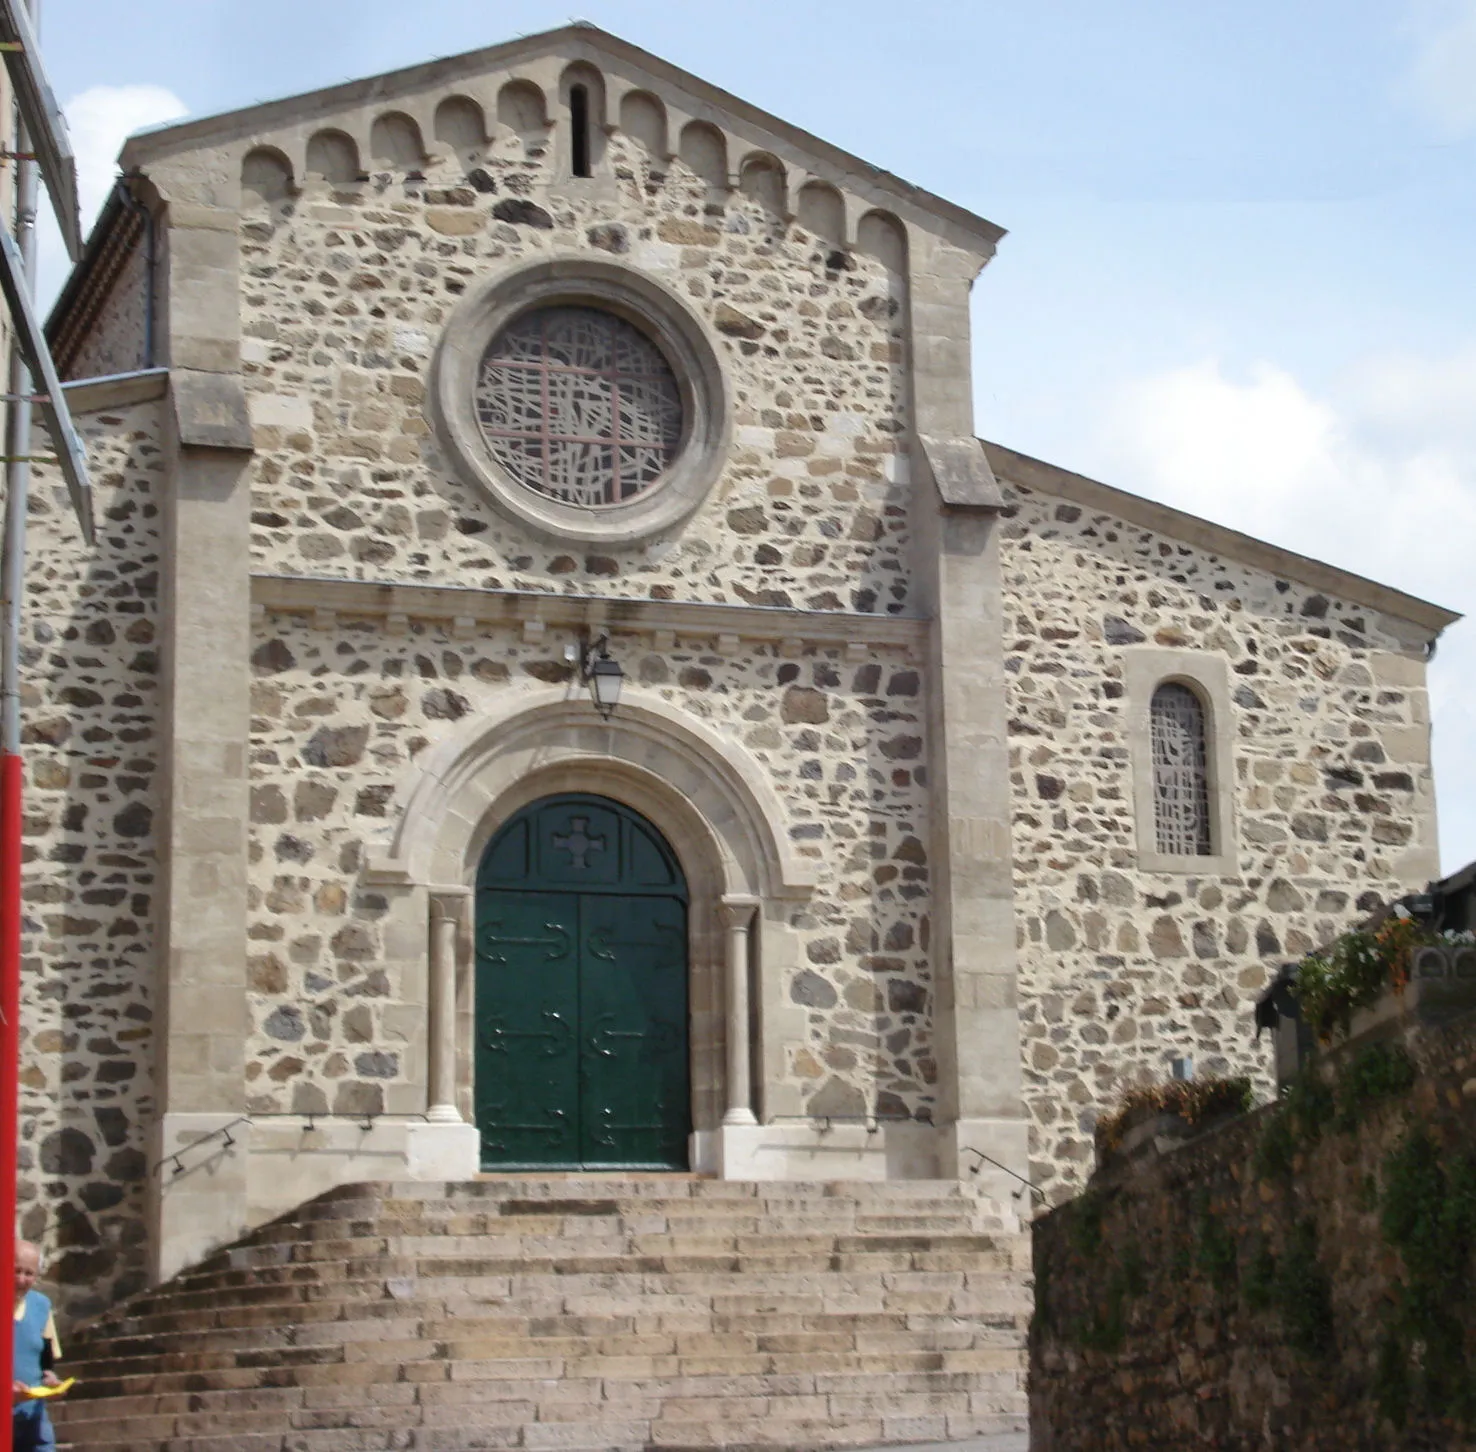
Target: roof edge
146, 146
98, 237
1220, 539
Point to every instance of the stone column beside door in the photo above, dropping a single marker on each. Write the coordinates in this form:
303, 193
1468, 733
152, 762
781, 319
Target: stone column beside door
444, 1146
738, 915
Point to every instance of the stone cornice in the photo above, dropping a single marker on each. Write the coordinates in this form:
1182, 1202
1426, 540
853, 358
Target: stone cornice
537, 613
1043, 478
115, 390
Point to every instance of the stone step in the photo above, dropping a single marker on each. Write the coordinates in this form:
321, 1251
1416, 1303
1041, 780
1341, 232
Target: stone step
448, 1433
838, 1392
652, 1219
347, 1342
896, 1352
591, 1196
508, 1276
283, 1252
574, 1312
1003, 1311
989, 1307
228, 1348
653, 1269
380, 1321
400, 1277
606, 1235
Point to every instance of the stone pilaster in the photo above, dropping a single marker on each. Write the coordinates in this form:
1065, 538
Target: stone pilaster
976, 1018
203, 1024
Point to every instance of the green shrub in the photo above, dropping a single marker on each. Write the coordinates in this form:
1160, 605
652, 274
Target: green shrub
1355, 971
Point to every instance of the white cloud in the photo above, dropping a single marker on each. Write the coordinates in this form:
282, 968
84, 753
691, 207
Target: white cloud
1441, 79
1379, 477
99, 120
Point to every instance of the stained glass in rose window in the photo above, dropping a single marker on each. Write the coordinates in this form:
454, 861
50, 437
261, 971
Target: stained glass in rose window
579, 405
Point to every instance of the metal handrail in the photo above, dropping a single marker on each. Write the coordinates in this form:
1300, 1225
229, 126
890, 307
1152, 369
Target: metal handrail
223, 1130
872, 1121
365, 1121
989, 1159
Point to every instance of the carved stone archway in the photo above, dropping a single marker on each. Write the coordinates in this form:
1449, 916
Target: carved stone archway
708, 798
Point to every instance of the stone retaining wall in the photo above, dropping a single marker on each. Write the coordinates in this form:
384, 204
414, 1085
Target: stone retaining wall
1251, 1289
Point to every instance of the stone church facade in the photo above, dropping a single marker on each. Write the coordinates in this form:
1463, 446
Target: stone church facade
408, 399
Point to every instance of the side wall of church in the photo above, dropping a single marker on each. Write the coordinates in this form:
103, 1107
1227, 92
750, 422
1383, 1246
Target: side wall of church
91, 742
117, 340
1122, 968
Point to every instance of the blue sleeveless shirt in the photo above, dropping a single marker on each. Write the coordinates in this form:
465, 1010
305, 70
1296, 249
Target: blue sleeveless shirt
32, 1425
30, 1338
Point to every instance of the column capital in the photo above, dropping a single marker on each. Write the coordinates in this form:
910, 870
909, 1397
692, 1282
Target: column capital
448, 901
738, 909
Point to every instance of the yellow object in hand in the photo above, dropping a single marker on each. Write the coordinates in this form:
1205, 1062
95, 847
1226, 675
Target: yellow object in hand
60, 1389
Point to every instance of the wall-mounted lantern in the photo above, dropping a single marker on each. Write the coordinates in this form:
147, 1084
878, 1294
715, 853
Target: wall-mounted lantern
602, 675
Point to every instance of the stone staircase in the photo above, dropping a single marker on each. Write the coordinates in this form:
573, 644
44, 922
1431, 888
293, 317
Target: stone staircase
576, 1312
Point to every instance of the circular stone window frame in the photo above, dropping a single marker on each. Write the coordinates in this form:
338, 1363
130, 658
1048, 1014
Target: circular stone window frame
646, 304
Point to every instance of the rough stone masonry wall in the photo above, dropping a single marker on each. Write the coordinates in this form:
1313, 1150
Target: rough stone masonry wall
339, 715
1215, 1298
117, 339
90, 743
1121, 969
345, 295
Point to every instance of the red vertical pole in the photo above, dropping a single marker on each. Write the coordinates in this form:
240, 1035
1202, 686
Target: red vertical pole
10, 945
12, 594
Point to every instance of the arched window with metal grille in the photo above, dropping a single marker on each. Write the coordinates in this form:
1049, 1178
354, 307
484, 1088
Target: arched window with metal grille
1181, 805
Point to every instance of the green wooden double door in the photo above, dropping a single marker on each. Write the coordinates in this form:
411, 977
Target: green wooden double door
581, 991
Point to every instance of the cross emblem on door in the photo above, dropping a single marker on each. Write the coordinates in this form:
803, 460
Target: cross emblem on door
579, 843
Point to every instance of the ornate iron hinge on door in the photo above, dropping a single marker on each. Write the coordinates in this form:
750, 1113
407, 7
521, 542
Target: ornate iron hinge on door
560, 1034
488, 941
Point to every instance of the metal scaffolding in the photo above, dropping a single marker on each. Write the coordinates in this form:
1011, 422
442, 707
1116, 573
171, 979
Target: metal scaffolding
41, 146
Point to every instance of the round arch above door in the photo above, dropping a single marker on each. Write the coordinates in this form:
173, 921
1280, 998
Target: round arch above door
581, 1017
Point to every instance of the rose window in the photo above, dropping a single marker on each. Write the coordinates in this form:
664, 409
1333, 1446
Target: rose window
579, 405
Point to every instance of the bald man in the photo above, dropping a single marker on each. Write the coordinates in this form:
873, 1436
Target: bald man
36, 1350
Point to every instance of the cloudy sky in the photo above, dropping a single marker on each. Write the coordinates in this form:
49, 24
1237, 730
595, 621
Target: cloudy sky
1241, 269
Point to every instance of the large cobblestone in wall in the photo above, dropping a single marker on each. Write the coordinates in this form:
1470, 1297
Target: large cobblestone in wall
319, 985
90, 723
1122, 970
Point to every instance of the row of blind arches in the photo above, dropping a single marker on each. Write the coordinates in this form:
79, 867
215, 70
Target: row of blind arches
461, 124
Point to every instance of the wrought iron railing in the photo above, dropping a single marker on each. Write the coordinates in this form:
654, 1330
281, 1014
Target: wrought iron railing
1025, 1184
873, 1122
364, 1120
